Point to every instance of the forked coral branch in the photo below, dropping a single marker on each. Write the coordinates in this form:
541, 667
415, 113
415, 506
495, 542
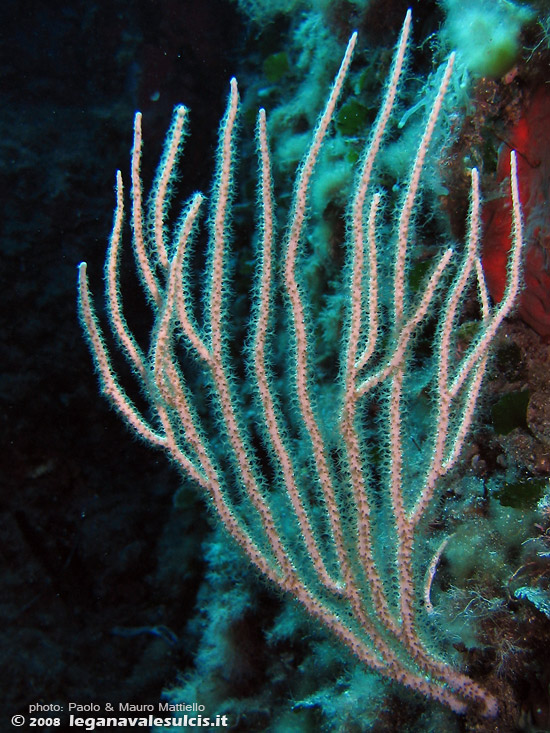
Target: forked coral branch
336, 518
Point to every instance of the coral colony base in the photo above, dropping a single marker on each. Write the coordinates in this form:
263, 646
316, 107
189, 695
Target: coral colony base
332, 510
